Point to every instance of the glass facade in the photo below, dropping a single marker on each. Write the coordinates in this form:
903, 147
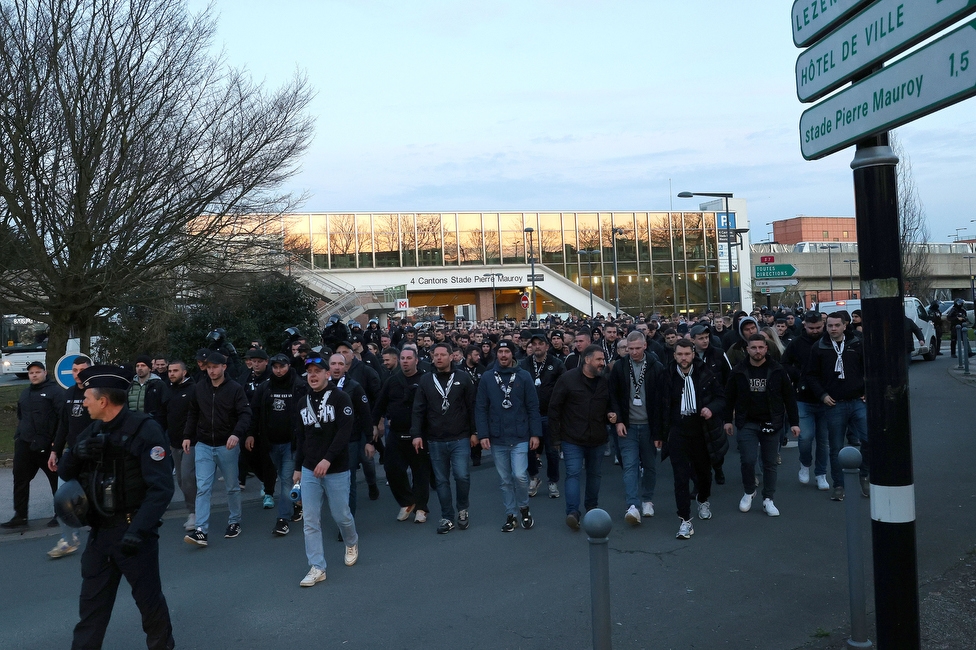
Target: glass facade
666, 261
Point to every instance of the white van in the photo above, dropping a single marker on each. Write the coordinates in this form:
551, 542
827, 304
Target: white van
914, 309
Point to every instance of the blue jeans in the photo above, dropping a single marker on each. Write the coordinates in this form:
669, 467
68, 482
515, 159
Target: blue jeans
335, 487
848, 414
512, 463
206, 460
284, 461
813, 427
575, 456
447, 458
637, 450
751, 442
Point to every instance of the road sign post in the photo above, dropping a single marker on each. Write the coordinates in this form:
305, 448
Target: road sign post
937, 75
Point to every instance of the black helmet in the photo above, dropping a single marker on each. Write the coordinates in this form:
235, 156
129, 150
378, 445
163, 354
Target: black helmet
293, 334
71, 504
216, 336
333, 319
958, 302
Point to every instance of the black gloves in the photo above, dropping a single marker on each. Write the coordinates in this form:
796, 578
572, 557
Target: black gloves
131, 543
89, 447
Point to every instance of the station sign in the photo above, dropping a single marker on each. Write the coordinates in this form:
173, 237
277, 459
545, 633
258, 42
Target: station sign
883, 30
935, 76
402, 304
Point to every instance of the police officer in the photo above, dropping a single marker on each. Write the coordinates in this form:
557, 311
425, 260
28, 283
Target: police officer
123, 464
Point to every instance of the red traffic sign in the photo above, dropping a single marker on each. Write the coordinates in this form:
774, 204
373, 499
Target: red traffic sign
767, 259
524, 302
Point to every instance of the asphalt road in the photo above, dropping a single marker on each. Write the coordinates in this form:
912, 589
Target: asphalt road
743, 580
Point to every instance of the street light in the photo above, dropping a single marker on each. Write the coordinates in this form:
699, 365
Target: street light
729, 239
616, 276
589, 258
830, 266
530, 230
850, 270
972, 288
957, 232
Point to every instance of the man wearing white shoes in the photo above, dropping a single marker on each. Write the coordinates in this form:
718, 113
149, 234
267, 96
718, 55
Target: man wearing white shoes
759, 397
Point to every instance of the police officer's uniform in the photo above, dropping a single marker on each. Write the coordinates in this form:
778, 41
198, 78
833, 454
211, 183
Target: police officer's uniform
126, 471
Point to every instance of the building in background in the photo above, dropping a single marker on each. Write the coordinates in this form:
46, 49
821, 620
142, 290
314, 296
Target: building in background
815, 229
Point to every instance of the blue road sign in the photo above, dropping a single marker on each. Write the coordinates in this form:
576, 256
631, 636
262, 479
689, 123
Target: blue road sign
62, 370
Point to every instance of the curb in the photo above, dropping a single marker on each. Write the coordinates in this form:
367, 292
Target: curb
956, 373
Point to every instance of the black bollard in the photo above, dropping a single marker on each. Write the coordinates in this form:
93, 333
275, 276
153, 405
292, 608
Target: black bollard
850, 460
597, 524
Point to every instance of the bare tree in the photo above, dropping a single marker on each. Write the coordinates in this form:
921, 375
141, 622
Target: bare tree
130, 156
913, 228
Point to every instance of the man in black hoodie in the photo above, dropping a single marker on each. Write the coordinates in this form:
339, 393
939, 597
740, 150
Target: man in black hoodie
181, 388
275, 424
545, 369
257, 458
38, 410
758, 398
218, 420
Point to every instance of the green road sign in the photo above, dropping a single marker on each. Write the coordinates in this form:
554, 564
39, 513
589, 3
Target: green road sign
938, 75
884, 29
775, 271
814, 18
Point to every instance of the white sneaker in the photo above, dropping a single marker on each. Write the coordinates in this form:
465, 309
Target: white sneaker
647, 509
553, 490
745, 503
534, 484
686, 530
633, 517
191, 522
352, 554
704, 510
770, 509
822, 483
404, 513
313, 576
63, 547
804, 475
420, 517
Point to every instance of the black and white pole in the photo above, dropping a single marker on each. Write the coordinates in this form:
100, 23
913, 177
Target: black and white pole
597, 524
850, 460
886, 396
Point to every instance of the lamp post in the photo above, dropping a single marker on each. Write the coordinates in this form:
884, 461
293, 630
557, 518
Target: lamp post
530, 230
957, 232
850, 271
729, 238
589, 258
616, 275
830, 266
972, 288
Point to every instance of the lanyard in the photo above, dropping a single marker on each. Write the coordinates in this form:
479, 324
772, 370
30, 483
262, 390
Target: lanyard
638, 381
506, 390
445, 404
537, 368
319, 417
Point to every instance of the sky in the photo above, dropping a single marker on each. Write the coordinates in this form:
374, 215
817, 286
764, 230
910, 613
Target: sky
528, 105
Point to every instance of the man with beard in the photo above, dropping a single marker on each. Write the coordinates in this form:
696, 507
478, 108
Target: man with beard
545, 369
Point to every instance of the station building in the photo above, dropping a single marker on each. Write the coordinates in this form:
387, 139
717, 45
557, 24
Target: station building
478, 265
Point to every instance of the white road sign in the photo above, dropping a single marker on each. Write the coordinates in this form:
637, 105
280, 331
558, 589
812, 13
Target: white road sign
768, 290
812, 18
776, 283
402, 304
938, 75
884, 29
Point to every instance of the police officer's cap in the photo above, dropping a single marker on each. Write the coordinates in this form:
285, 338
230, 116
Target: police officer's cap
280, 358
105, 377
71, 504
256, 353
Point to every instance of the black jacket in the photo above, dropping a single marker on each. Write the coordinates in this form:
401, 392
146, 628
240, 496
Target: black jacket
366, 377
362, 428
251, 381
794, 360
708, 393
779, 396
74, 419
578, 409
38, 410
430, 422
621, 396
325, 438
549, 372
177, 409
716, 360
154, 399
217, 413
275, 409
395, 402
821, 378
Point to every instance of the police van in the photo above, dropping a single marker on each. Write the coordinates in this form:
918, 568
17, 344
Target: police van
914, 309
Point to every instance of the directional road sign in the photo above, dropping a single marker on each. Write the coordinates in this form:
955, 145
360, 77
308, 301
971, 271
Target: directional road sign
767, 271
768, 290
938, 75
776, 283
813, 18
881, 31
